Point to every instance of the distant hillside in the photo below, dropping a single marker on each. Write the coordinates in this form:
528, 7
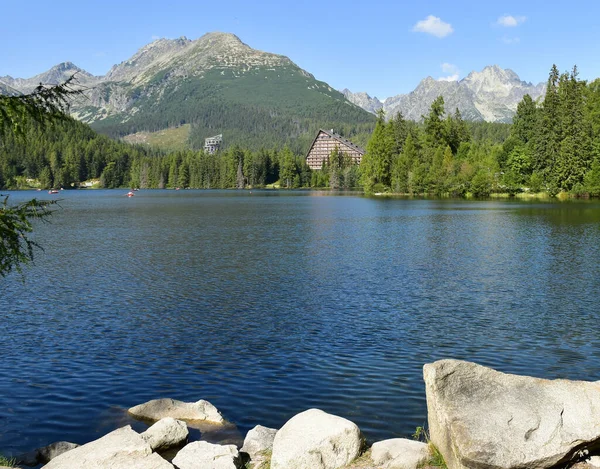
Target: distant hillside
217, 84
491, 95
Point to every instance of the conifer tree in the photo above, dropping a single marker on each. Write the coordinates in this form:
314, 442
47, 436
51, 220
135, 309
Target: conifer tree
456, 132
377, 162
575, 147
548, 133
435, 127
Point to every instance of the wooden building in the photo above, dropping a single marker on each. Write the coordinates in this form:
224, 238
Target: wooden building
325, 142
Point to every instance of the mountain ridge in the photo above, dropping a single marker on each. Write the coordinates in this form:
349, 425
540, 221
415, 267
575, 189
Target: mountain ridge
490, 95
218, 85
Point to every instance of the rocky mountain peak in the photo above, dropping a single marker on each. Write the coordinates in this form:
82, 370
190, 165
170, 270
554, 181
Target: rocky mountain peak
491, 95
363, 100
57, 74
158, 52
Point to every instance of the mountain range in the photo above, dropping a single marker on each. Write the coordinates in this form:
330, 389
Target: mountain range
218, 85
212, 85
491, 95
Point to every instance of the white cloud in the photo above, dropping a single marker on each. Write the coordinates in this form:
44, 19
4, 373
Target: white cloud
509, 21
452, 70
511, 40
454, 77
434, 26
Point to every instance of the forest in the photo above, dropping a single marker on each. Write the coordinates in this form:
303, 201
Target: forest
552, 146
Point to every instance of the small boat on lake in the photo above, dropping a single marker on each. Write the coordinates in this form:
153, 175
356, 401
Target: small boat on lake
53, 191
130, 194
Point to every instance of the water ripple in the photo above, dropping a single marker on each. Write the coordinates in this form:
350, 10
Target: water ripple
270, 304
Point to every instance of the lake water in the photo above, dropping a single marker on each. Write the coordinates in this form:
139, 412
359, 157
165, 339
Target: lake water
269, 303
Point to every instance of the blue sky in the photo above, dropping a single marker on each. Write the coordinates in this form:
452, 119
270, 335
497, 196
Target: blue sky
382, 47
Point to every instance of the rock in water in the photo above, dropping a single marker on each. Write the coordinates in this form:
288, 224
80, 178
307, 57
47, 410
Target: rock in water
399, 453
161, 408
203, 455
314, 439
165, 434
258, 440
48, 453
481, 418
120, 449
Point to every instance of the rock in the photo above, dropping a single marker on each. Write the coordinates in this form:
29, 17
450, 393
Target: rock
203, 455
161, 408
45, 454
166, 433
399, 453
481, 418
316, 440
594, 460
48, 453
28, 459
120, 449
258, 440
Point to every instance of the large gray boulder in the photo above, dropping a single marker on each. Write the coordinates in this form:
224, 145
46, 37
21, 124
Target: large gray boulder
204, 455
259, 440
165, 434
316, 440
161, 408
481, 418
399, 453
120, 449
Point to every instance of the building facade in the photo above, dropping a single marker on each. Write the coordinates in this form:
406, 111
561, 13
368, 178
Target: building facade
213, 144
327, 141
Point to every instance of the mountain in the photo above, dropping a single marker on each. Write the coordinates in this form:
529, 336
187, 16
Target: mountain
491, 95
363, 100
218, 85
57, 74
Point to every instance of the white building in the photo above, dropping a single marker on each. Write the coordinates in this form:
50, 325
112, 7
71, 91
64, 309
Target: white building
213, 144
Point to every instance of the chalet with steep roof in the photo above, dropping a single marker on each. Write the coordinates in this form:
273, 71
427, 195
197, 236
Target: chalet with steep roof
325, 142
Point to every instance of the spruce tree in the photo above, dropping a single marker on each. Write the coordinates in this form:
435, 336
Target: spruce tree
548, 133
575, 149
377, 162
435, 127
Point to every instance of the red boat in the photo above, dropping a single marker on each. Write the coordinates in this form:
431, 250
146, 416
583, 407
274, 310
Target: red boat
130, 194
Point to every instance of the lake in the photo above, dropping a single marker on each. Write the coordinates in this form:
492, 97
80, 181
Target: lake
269, 303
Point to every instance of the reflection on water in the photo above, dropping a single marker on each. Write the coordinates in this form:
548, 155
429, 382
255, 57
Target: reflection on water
269, 303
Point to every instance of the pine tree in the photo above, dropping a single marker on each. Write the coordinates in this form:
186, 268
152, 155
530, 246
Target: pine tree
456, 132
435, 127
524, 121
574, 158
376, 165
548, 133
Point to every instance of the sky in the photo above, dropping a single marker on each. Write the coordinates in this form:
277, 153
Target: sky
382, 47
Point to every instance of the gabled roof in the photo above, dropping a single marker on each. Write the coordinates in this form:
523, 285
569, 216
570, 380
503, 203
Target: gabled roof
337, 137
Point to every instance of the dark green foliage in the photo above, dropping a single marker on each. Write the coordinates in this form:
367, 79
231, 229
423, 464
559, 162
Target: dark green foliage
404, 157
553, 145
15, 224
376, 165
46, 104
340, 172
260, 109
435, 130
44, 107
